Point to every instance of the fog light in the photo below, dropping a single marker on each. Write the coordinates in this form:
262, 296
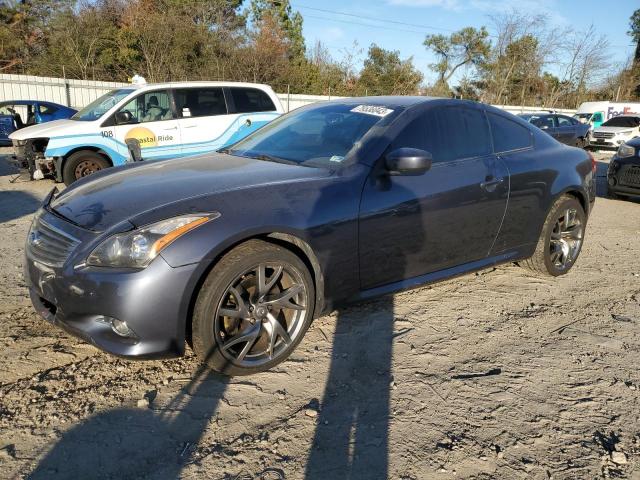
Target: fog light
121, 328
612, 181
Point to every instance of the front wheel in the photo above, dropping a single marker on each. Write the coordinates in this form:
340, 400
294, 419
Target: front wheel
253, 309
81, 164
561, 239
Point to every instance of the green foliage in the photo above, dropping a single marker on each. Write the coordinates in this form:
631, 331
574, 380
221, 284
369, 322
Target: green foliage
290, 22
466, 47
385, 74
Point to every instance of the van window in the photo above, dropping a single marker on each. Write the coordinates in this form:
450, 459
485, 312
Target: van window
507, 134
248, 100
200, 102
150, 107
448, 133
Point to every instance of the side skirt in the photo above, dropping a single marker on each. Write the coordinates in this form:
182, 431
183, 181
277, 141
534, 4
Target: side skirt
509, 256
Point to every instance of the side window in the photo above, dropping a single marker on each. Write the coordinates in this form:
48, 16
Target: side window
200, 102
47, 109
448, 133
248, 100
149, 107
507, 134
597, 117
564, 121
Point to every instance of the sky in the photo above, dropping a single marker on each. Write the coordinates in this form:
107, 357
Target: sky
338, 23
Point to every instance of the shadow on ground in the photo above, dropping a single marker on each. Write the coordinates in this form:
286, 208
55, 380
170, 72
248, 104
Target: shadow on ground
352, 435
135, 442
15, 204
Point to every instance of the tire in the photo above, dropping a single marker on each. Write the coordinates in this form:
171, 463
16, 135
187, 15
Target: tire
82, 163
545, 259
239, 342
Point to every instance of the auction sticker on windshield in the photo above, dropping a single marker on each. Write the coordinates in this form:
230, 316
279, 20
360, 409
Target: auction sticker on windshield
376, 110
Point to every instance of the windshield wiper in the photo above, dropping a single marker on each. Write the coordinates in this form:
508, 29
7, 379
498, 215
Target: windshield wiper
225, 150
271, 158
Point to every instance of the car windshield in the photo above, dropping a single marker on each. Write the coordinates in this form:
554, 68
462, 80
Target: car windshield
319, 136
99, 107
622, 122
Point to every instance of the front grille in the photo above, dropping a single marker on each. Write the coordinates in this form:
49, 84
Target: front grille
603, 134
631, 177
48, 244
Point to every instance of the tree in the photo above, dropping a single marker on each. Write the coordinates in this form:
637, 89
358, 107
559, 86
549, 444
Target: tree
466, 47
385, 74
289, 22
634, 32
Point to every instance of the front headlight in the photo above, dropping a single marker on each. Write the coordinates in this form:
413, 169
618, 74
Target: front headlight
625, 151
137, 248
625, 132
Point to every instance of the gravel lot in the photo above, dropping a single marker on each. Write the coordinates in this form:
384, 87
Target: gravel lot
498, 374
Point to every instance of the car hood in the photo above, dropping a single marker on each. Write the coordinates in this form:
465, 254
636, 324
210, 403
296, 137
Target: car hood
121, 194
614, 129
47, 129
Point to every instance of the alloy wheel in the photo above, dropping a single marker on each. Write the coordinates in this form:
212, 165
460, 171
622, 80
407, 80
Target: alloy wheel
566, 239
261, 314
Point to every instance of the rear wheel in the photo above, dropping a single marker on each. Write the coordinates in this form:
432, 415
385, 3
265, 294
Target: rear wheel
253, 309
81, 164
561, 239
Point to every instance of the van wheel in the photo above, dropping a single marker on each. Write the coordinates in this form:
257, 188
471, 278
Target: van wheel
81, 164
561, 238
253, 309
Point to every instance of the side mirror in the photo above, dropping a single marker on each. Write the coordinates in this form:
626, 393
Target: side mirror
408, 161
123, 117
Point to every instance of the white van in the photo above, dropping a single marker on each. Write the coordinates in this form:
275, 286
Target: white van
162, 120
596, 113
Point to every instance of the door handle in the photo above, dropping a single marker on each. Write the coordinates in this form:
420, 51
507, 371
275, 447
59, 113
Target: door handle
189, 126
171, 128
491, 183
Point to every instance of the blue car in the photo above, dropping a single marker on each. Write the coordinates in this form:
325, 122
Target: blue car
16, 114
238, 250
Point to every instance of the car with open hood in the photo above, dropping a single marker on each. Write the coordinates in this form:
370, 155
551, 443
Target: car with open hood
237, 251
145, 122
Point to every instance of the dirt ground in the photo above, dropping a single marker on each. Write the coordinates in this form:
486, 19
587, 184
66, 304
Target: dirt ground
499, 374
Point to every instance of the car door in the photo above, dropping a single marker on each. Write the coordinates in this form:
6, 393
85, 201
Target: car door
204, 118
450, 215
566, 130
152, 123
528, 187
252, 107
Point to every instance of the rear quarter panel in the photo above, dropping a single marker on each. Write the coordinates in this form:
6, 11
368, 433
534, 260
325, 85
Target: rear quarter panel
538, 177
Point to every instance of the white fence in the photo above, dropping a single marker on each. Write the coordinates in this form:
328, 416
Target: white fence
78, 93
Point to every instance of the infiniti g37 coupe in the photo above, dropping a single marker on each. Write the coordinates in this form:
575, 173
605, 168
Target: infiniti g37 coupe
237, 251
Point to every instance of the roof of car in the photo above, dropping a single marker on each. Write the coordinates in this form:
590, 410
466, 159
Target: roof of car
28, 102
387, 100
195, 84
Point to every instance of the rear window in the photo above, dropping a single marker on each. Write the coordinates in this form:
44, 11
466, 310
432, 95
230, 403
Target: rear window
622, 122
248, 100
507, 134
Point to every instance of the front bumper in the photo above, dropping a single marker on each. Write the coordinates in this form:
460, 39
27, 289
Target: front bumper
151, 301
623, 176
